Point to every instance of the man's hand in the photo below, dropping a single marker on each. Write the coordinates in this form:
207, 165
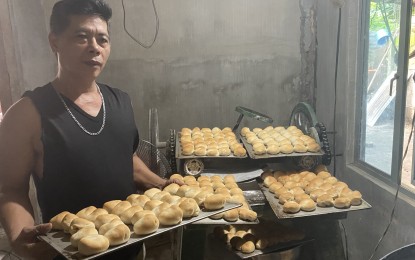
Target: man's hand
29, 246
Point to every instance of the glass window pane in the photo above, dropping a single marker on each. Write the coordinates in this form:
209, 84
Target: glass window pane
378, 103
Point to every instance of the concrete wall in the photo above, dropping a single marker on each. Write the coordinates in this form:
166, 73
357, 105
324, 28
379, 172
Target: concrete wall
208, 58
363, 228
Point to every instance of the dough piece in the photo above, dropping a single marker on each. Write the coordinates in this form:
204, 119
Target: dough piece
82, 233
57, 220
248, 247
291, 207
325, 201
170, 216
247, 214
93, 244
151, 192
126, 215
80, 223
148, 224
342, 203
109, 205
231, 215
214, 202
307, 205
103, 219
118, 234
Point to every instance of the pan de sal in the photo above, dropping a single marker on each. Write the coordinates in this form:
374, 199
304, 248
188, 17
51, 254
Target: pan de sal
342, 203
239, 151
307, 205
214, 202
189, 208
325, 200
148, 224
82, 233
291, 207
151, 204
170, 216
56, 221
248, 247
103, 219
182, 190
80, 223
139, 215
109, 205
231, 215
67, 220
120, 207
217, 216
93, 244
140, 200
96, 213
118, 234
126, 215
151, 192
355, 198
247, 214
83, 213
172, 188
176, 176
107, 226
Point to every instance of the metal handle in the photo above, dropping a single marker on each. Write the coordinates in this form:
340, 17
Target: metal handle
395, 77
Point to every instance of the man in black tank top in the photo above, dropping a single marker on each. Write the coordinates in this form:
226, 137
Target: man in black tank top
77, 138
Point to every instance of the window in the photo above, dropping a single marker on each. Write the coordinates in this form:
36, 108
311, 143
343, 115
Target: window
386, 98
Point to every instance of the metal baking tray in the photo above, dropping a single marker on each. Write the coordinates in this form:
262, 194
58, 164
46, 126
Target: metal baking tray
278, 209
179, 154
60, 241
251, 153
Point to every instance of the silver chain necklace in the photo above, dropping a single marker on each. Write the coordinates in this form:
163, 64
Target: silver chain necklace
76, 120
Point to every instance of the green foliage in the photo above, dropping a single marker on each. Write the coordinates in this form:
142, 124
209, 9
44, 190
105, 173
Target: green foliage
383, 13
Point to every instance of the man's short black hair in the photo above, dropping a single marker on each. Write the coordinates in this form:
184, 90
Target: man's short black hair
62, 10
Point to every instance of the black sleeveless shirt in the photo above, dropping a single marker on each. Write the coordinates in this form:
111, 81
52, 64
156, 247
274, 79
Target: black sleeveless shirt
81, 170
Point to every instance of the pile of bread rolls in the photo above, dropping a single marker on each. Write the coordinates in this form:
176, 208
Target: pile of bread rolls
279, 140
210, 142
211, 193
247, 239
305, 190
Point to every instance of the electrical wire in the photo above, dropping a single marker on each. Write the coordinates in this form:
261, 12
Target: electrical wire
131, 36
397, 190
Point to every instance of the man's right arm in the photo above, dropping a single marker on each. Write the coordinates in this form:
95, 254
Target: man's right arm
18, 132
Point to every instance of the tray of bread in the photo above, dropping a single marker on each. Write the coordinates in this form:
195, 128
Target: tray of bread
279, 142
210, 143
204, 187
300, 194
93, 232
250, 241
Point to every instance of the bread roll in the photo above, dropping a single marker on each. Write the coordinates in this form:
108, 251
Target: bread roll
126, 215
172, 188
121, 207
140, 200
103, 219
325, 201
301, 197
93, 244
170, 216
109, 205
247, 214
307, 205
231, 215
192, 192
313, 147
182, 190
300, 148
235, 191
107, 226
176, 176
248, 247
140, 214
96, 213
160, 208
217, 216
280, 191
151, 204
187, 149
323, 174
229, 178
151, 192
189, 208
269, 180
117, 235
355, 198
160, 195
56, 221
275, 186
342, 203
83, 232
291, 207
80, 223
83, 213
287, 196
201, 196
67, 220
239, 151
200, 151
287, 148
148, 224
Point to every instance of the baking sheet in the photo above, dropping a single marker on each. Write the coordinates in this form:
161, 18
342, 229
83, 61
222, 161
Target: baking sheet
179, 154
60, 241
251, 153
278, 208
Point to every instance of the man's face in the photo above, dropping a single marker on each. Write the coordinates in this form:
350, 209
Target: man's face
83, 48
